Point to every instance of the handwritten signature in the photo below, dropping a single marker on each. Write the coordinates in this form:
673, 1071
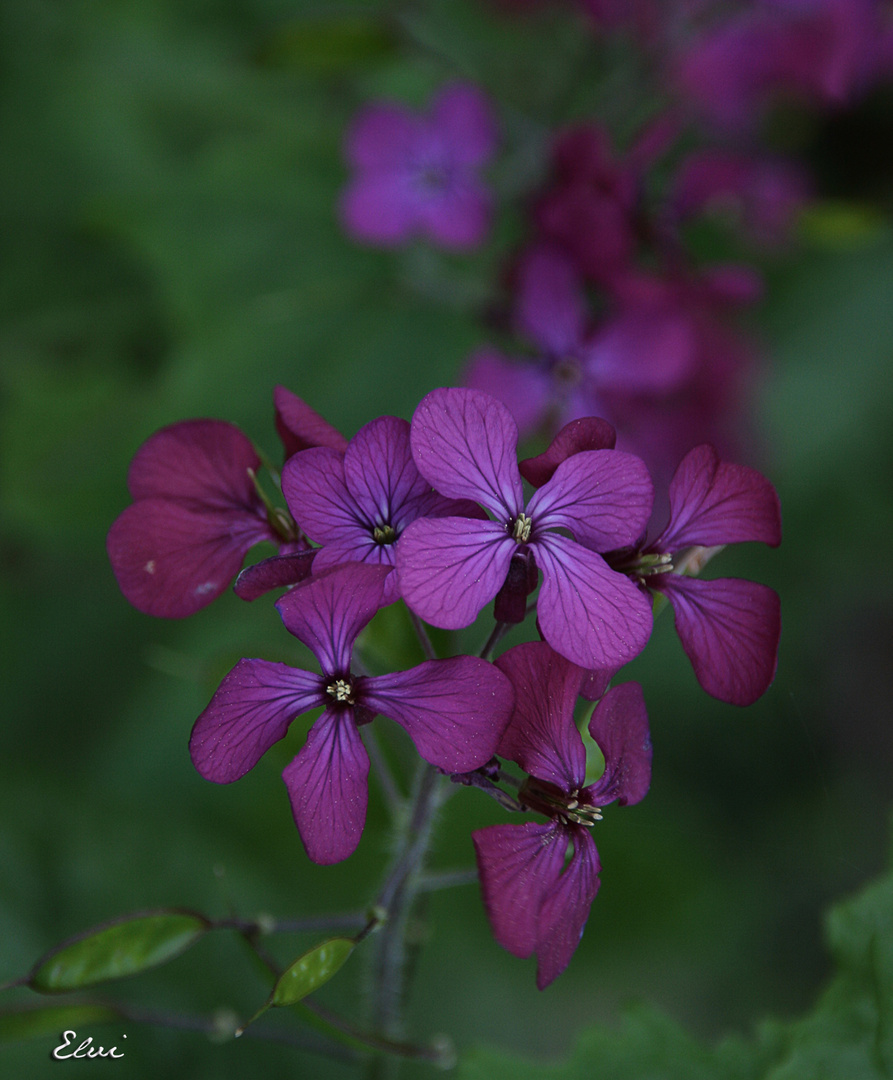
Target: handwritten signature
85, 1050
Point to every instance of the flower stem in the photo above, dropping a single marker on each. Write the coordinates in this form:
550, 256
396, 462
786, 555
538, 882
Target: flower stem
396, 900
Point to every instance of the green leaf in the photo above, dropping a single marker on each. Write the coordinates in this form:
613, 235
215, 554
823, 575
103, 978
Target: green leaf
32, 1023
311, 970
124, 947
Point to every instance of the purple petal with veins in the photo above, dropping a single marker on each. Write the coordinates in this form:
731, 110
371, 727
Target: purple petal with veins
729, 629
586, 433
171, 558
518, 866
314, 487
328, 612
327, 786
454, 710
465, 444
592, 615
603, 496
713, 502
301, 427
565, 909
202, 460
379, 470
273, 573
542, 736
250, 711
450, 568
619, 727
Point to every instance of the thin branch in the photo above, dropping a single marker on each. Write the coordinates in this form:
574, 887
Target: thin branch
422, 634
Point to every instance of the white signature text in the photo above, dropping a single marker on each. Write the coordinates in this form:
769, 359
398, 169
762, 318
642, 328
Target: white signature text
86, 1049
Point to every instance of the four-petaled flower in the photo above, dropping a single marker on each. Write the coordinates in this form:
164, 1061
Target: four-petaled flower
418, 175
358, 503
728, 627
464, 443
454, 710
536, 900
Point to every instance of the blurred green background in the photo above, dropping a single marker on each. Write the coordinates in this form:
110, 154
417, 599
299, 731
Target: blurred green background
170, 250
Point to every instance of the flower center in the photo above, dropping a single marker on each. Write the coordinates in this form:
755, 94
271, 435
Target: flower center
547, 799
384, 534
341, 690
521, 527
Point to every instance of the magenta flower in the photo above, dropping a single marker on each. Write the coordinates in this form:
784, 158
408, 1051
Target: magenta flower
538, 901
454, 710
195, 515
418, 175
464, 443
197, 512
728, 627
357, 504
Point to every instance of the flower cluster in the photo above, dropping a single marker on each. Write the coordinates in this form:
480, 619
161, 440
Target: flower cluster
433, 515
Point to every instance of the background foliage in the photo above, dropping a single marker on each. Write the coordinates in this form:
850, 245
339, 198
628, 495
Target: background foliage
170, 251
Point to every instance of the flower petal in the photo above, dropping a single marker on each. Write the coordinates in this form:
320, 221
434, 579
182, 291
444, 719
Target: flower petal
172, 558
518, 866
642, 351
204, 460
328, 612
713, 502
317, 496
450, 568
619, 727
251, 709
729, 629
464, 443
594, 616
273, 573
550, 307
586, 433
454, 710
603, 496
542, 736
327, 786
459, 216
301, 427
382, 135
565, 910
524, 388
380, 208
464, 121
379, 471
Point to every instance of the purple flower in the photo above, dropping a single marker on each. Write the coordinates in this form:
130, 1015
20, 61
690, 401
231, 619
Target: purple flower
728, 627
358, 503
418, 175
454, 711
536, 900
197, 511
647, 349
464, 442
195, 515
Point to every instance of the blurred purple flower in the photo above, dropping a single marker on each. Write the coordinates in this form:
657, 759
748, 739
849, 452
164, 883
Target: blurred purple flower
357, 503
823, 52
728, 627
464, 442
536, 900
418, 175
454, 711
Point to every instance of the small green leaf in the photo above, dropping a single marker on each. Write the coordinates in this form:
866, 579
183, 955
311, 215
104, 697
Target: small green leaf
124, 947
311, 970
32, 1023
